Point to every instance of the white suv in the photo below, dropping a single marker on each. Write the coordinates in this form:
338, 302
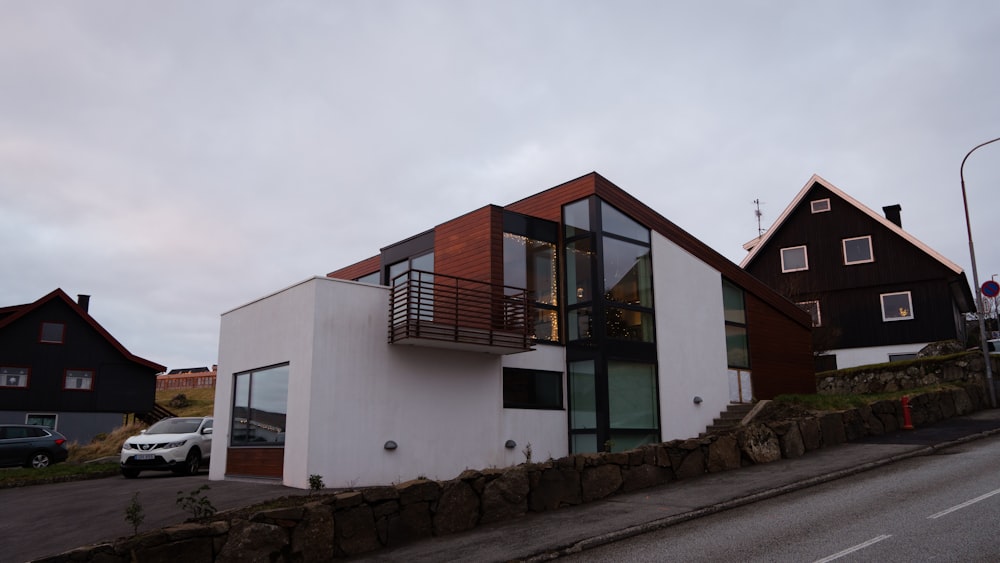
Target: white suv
172, 444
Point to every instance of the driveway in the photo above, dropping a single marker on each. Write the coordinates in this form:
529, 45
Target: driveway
44, 520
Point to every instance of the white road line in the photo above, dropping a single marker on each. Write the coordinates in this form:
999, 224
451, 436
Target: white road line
851, 550
964, 504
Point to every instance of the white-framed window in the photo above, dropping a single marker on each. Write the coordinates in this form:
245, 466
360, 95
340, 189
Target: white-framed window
820, 205
812, 307
897, 306
794, 259
13, 377
41, 419
79, 380
858, 250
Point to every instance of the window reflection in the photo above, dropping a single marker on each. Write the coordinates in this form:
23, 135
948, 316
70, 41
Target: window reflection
260, 406
628, 275
531, 264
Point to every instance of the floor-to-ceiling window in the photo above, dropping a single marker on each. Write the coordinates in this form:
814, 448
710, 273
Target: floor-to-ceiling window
611, 353
530, 262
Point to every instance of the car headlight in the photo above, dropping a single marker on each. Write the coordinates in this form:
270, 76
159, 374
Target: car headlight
176, 444
127, 446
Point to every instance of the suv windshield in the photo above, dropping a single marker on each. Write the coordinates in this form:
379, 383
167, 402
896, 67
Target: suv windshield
175, 426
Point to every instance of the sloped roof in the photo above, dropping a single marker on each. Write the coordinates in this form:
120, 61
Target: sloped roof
755, 246
10, 315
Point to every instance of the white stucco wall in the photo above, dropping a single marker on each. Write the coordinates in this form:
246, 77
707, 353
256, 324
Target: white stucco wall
545, 430
853, 357
272, 330
690, 340
350, 391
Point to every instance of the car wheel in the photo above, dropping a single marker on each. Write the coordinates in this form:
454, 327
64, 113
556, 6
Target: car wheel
193, 462
38, 460
130, 473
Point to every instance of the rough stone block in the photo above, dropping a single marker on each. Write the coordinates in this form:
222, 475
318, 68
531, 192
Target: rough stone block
690, 465
760, 444
191, 550
643, 477
506, 497
791, 442
415, 522
458, 508
354, 530
347, 500
811, 434
312, 539
554, 488
418, 490
832, 428
375, 495
599, 482
252, 542
854, 426
963, 405
723, 454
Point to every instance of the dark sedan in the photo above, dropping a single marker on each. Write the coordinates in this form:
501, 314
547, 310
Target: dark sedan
31, 446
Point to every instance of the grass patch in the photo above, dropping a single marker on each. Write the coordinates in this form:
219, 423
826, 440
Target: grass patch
57, 473
104, 445
201, 401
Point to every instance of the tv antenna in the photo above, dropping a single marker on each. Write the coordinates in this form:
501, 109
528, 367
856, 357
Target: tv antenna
758, 213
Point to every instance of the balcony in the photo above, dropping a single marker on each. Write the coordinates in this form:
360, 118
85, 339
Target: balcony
430, 309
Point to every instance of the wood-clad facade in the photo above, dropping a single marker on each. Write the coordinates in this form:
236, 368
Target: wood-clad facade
470, 246
847, 292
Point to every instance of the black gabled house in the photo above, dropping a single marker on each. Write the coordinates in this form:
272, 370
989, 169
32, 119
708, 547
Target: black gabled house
875, 292
60, 368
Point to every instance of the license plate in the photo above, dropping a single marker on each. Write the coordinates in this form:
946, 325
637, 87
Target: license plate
143, 457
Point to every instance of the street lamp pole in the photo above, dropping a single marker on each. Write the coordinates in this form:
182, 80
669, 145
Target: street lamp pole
975, 279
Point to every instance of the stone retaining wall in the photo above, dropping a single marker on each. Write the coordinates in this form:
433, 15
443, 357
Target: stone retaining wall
968, 367
324, 526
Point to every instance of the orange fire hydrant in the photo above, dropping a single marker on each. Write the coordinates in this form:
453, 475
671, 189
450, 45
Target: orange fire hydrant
907, 423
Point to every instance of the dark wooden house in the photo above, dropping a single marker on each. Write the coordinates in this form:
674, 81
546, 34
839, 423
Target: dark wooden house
875, 292
61, 369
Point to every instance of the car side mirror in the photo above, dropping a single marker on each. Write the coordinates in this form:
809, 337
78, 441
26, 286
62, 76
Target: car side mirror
143, 431
206, 431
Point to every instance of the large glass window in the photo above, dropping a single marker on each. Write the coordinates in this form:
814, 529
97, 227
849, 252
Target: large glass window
897, 306
627, 324
13, 377
531, 264
628, 273
737, 343
260, 406
632, 395
583, 398
532, 389
576, 218
579, 273
794, 259
616, 222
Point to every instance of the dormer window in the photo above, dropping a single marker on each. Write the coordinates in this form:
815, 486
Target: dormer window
794, 259
858, 250
820, 205
52, 333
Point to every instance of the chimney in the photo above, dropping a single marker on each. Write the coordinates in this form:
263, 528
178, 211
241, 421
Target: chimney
83, 301
892, 214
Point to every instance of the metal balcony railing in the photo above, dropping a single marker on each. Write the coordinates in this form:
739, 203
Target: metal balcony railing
432, 309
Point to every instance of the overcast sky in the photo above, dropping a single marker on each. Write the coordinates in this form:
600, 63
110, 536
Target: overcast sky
178, 159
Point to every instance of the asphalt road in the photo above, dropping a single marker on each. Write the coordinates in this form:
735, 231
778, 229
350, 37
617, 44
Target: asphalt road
45, 520
940, 507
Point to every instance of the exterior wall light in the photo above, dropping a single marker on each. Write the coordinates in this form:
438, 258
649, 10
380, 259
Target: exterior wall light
510, 444
697, 400
390, 445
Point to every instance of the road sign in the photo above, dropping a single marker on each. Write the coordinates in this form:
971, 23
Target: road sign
991, 288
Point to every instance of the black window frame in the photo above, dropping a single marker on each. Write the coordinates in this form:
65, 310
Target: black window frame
557, 378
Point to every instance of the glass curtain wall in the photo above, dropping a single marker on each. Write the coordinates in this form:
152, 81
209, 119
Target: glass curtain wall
610, 329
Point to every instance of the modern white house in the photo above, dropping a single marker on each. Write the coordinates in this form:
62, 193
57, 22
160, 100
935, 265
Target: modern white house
575, 320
